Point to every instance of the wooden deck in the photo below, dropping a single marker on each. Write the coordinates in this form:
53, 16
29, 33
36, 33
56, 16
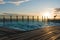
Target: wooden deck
47, 33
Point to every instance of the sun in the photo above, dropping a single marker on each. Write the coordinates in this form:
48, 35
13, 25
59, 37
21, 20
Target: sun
47, 14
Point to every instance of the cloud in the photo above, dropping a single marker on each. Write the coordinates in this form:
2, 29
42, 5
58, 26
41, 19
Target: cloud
2, 2
57, 9
16, 2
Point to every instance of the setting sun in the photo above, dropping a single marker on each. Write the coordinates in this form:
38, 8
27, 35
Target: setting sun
47, 14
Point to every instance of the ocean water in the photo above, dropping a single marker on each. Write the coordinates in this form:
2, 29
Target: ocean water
27, 25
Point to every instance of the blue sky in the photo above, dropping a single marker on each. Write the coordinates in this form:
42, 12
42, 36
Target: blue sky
27, 6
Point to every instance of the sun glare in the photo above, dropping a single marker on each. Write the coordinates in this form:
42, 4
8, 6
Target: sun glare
47, 14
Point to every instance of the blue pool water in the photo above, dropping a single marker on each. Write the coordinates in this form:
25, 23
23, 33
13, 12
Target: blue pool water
26, 26
22, 25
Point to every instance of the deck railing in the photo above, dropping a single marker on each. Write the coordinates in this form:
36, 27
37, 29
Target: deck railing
17, 18
21, 18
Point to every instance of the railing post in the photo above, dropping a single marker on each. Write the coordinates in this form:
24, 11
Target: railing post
42, 18
37, 18
22, 18
28, 18
33, 18
3, 20
17, 18
10, 18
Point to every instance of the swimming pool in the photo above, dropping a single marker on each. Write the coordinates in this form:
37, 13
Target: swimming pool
26, 25
22, 25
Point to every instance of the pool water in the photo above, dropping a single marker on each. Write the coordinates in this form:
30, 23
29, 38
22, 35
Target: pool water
26, 26
22, 25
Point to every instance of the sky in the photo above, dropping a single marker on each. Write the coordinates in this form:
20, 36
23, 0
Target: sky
30, 7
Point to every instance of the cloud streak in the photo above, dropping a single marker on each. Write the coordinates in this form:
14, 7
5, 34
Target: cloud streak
16, 2
57, 9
